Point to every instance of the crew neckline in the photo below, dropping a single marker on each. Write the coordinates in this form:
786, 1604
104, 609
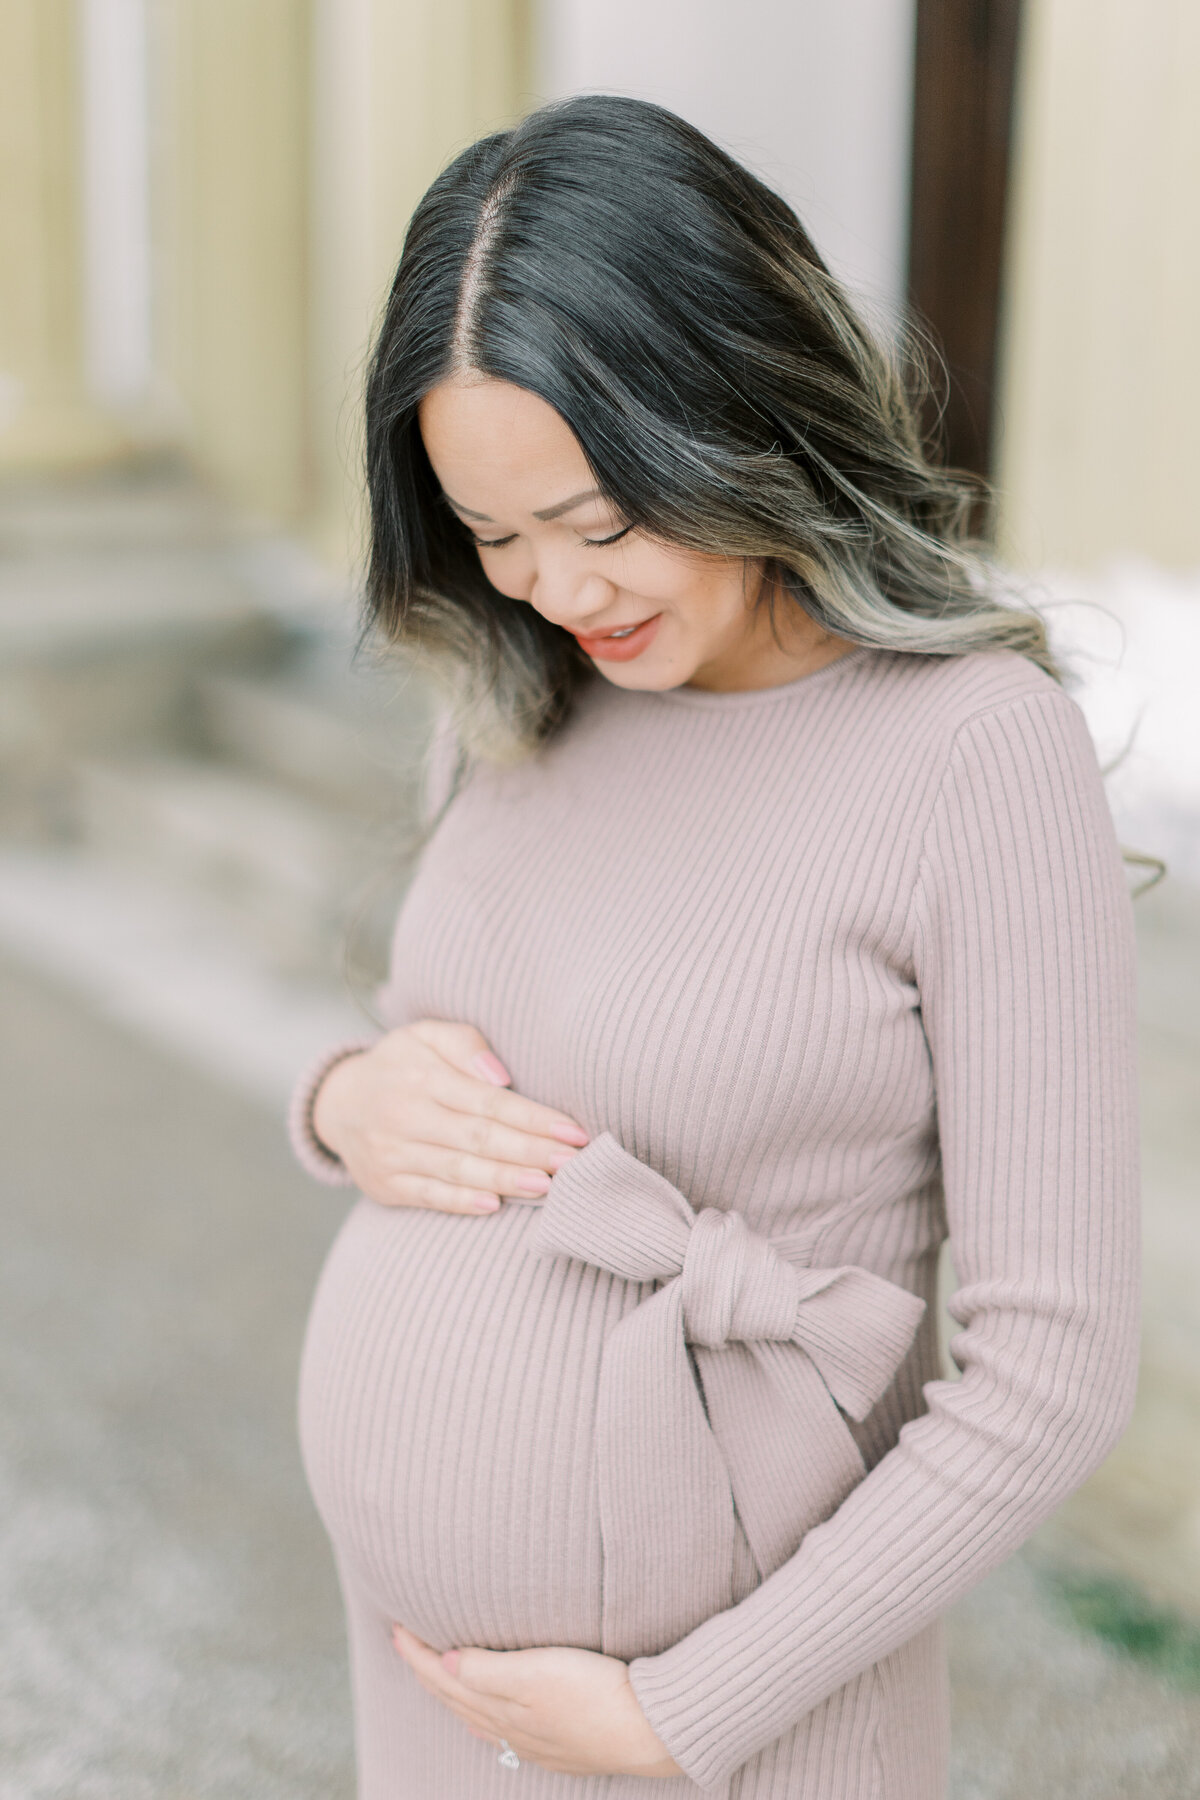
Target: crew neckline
735, 698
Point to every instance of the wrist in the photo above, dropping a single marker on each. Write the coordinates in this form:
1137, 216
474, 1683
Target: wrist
314, 1153
325, 1111
648, 1755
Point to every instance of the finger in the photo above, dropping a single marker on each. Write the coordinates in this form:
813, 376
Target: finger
425, 1662
497, 1674
464, 1048
436, 1676
467, 1672
463, 1094
462, 1169
429, 1121
401, 1188
481, 1717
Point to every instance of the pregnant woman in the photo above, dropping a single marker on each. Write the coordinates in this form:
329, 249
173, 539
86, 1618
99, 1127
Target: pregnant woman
769, 928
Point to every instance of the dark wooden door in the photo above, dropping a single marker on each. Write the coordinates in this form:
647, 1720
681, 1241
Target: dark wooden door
966, 57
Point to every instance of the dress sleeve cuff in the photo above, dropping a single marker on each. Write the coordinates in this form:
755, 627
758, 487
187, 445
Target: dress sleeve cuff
316, 1158
666, 1697
711, 1702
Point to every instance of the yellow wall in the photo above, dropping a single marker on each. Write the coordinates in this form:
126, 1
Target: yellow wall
399, 87
230, 197
290, 140
297, 136
1100, 446
45, 415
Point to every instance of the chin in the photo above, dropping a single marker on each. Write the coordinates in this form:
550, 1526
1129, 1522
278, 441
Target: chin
645, 680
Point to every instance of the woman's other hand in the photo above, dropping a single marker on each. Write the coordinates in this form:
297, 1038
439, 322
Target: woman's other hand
426, 1118
569, 1710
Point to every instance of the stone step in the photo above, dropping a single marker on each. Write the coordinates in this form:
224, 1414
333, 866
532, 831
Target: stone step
118, 594
292, 877
355, 743
163, 961
142, 504
100, 652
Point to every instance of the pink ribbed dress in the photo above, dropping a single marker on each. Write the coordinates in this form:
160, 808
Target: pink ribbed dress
826, 970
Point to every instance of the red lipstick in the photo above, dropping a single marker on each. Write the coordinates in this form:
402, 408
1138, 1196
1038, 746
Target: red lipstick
606, 648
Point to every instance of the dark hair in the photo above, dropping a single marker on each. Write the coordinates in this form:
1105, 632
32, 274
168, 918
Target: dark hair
609, 258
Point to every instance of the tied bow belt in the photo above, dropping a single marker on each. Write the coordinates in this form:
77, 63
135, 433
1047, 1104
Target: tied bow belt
781, 1352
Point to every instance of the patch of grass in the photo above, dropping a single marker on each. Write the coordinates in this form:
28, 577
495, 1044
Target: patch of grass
1122, 1616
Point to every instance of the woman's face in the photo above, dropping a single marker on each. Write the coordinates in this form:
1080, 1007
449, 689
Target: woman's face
514, 473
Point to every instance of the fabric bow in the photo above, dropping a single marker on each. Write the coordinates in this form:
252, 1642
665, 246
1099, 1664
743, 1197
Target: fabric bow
781, 1352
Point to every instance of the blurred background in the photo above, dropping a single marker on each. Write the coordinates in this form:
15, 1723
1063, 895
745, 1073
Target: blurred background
205, 793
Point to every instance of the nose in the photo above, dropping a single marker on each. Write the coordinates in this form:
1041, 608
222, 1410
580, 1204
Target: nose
568, 595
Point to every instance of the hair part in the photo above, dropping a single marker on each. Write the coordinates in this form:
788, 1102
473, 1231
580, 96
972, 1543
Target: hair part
473, 287
608, 257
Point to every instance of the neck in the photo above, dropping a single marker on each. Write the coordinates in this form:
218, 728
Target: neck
773, 651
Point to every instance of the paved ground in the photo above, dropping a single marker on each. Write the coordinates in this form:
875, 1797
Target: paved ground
169, 1621
1045, 1711
169, 1625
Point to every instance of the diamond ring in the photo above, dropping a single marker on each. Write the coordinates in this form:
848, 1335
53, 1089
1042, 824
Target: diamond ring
508, 1758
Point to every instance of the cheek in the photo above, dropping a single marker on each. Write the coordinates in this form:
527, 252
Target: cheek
508, 571
700, 592
654, 574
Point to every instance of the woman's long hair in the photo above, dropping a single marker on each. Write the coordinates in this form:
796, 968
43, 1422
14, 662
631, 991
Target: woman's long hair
609, 258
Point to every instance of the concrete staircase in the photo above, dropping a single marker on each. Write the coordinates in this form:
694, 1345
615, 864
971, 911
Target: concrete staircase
179, 697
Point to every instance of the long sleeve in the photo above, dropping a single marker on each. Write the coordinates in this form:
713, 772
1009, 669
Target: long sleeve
315, 1157
1023, 956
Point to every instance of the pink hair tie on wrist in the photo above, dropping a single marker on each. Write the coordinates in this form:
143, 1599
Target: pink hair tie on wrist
314, 1157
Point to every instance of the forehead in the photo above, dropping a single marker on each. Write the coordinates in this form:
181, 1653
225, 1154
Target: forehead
494, 444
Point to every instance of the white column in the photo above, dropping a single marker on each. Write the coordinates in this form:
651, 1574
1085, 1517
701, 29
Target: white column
815, 95
118, 343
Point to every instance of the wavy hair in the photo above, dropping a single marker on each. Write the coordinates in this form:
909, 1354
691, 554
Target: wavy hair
608, 257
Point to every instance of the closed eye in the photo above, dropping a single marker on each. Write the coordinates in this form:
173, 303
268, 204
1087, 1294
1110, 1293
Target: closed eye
592, 543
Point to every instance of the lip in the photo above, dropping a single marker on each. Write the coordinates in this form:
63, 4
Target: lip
609, 649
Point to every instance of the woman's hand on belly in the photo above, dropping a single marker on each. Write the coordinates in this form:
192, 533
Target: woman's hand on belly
569, 1710
426, 1118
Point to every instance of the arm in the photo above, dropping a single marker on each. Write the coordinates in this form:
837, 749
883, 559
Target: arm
423, 1115
1024, 960
308, 1147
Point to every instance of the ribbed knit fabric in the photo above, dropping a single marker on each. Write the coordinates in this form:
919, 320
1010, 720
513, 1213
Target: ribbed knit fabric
316, 1158
823, 969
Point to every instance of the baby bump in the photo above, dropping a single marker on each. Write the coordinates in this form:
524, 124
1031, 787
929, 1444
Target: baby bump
447, 1404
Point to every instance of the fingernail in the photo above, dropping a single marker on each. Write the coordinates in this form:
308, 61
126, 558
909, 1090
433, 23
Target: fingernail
533, 1181
485, 1203
570, 1134
558, 1162
450, 1661
491, 1068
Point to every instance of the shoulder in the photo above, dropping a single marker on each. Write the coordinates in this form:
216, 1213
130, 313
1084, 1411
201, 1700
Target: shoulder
945, 694
1017, 786
997, 706
1002, 768
990, 705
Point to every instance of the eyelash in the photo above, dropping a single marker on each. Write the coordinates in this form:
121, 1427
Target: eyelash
592, 543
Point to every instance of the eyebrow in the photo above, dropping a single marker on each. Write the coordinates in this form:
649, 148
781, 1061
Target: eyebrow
548, 513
